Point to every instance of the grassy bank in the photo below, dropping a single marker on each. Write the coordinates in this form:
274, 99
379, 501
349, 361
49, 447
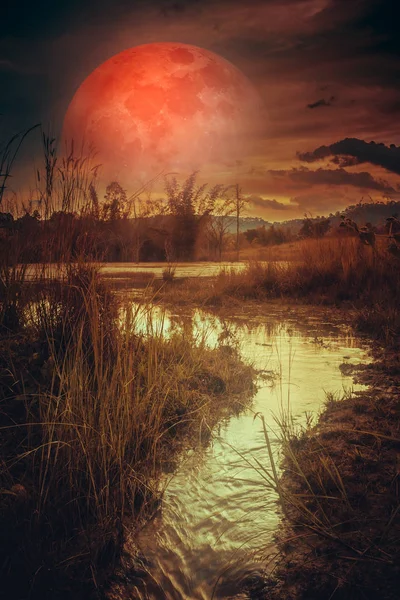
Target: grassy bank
335, 271
340, 498
91, 414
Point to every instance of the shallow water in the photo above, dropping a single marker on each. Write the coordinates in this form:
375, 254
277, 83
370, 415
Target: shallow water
218, 514
128, 270
193, 269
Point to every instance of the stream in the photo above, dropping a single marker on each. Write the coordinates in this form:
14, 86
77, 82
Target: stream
218, 516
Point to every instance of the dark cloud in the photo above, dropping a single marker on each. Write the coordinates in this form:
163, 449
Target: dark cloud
321, 102
259, 202
335, 177
345, 161
49, 19
33, 19
350, 42
351, 151
381, 17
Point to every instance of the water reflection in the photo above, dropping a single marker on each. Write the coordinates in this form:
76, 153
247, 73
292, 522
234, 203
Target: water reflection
193, 269
219, 515
128, 270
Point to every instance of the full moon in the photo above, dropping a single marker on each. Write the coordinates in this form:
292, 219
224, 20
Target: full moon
163, 106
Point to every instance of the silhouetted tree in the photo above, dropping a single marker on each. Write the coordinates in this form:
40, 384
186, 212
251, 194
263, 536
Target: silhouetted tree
190, 205
115, 205
6, 220
268, 237
94, 207
314, 228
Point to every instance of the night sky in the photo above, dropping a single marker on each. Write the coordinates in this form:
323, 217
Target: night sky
328, 73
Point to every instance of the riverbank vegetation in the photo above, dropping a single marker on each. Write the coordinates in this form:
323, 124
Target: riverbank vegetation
339, 496
337, 271
91, 415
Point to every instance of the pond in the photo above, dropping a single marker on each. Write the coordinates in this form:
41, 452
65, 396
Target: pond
218, 515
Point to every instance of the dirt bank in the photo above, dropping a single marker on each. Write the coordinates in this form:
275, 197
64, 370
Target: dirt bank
340, 535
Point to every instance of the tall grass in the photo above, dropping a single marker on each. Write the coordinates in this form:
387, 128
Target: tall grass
90, 412
338, 271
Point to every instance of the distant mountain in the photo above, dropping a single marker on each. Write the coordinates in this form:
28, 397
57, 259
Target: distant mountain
375, 213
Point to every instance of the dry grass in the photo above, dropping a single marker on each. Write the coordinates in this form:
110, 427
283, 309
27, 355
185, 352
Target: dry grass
336, 268
340, 498
339, 271
284, 252
90, 413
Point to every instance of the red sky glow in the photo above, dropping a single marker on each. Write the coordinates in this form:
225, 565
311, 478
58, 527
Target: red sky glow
326, 73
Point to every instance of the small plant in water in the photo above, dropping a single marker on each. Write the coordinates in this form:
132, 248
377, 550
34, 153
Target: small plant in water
168, 273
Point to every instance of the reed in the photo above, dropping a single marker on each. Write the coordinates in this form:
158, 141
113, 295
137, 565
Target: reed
334, 271
168, 273
91, 411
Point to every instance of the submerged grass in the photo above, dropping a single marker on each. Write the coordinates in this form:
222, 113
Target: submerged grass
90, 414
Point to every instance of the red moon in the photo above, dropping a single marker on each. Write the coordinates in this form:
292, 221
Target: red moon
162, 106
